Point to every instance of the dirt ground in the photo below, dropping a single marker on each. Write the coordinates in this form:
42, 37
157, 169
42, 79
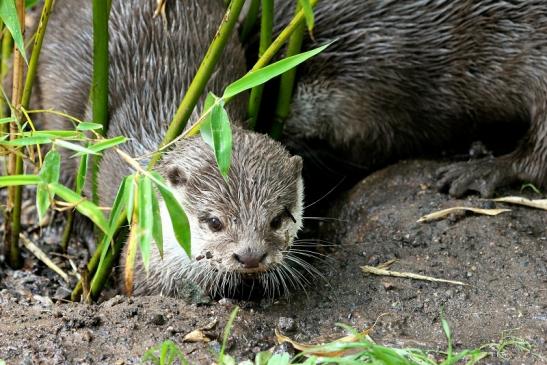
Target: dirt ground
503, 259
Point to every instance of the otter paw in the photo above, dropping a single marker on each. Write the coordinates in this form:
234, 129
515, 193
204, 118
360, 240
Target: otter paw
482, 176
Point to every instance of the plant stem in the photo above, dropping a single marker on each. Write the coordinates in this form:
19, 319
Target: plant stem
203, 74
250, 20
266, 26
99, 85
33, 63
15, 161
286, 84
7, 47
281, 38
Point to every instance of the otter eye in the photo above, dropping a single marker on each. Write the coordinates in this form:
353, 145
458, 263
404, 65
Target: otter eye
276, 222
214, 224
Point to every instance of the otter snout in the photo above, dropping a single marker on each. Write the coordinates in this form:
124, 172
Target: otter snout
250, 259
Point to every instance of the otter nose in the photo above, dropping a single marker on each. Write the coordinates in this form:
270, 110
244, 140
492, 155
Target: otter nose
250, 260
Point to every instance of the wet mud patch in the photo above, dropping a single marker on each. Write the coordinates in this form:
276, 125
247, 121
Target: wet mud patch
502, 258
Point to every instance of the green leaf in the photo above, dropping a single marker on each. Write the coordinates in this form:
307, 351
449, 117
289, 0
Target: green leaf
264, 74
130, 199
14, 180
157, 231
205, 130
8, 14
88, 126
27, 141
119, 204
106, 143
179, 220
82, 205
49, 173
82, 173
30, 3
74, 147
145, 219
216, 132
308, 13
54, 134
7, 120
280, 359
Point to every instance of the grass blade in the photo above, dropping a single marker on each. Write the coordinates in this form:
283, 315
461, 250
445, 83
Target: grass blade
8, 14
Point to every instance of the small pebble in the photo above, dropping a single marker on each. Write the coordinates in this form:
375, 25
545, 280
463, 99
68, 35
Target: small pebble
286, 324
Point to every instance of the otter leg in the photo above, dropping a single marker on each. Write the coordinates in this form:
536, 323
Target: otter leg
528, 163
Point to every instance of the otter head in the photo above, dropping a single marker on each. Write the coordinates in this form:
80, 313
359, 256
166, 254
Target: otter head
240, 227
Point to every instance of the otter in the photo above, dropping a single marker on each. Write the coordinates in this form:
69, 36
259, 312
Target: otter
403, 79
240, 227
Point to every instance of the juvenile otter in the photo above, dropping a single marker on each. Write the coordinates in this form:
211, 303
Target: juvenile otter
240, 227
404, 78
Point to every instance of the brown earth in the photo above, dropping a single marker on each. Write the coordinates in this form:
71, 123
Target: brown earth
502, 258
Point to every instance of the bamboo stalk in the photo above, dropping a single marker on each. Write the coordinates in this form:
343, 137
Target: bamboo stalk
99, 85
7, 46
15, 161
203, 74
286, 84
33, 63
250, 20
266, 27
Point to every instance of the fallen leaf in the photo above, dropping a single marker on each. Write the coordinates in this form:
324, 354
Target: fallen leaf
535, 203
443, 213
383, 272
196, 336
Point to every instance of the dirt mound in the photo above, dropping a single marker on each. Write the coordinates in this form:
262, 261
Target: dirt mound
502, 258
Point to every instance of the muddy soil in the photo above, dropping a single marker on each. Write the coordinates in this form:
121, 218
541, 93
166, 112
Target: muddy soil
503, 259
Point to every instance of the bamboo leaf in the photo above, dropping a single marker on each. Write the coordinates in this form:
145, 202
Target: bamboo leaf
216, 132
264, 74
8, 14
82, 205
54, 134
82, 173
205, 130
119, 204
145, 219
179, 220
106, 143
74, 147
50, 174
157, 231
308, 13
130, 199
7, 120
88, 126
27, 141
15, 180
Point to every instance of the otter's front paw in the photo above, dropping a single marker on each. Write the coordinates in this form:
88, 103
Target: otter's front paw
482, 176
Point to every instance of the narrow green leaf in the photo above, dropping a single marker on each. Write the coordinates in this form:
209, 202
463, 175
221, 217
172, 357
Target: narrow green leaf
179, 220
73, 147
27, 141
42, 201
88, 126
30, 3
308, 13
106, 143
280, 359
82, 205
130, 198
264, 74
7, 120
8, 14
49, 173
51, 168
54, 134
145, 219
14, 180
119, 204
205, 130
82, 173
157, 231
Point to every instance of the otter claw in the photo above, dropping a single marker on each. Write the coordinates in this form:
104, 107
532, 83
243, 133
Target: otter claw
482, 176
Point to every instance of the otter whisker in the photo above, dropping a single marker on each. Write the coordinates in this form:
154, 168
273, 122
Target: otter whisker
327, 193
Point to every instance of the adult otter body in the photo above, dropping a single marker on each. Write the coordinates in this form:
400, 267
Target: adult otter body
405, 78
241, 227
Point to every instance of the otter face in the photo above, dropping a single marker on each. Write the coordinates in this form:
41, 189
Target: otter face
240, 227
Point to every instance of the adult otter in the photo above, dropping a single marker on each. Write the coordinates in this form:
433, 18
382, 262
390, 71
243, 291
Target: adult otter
403, 78
240, 227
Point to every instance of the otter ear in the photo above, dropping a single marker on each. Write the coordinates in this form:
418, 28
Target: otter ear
176, 176
296, 163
